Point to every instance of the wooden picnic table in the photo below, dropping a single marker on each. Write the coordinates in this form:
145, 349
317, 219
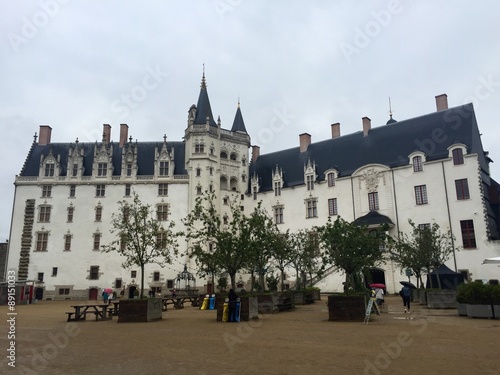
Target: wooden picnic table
80, 312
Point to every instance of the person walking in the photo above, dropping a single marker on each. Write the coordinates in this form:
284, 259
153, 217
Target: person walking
405, 293
232, 297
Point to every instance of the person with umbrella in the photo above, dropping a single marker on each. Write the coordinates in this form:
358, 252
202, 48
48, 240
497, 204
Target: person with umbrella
379, 293
105, 296
405, 293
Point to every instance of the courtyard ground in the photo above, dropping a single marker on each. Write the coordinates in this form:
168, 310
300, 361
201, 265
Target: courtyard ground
190, 342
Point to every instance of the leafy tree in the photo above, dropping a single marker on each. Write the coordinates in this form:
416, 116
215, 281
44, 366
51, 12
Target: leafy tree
272, 282
350, 247
141, 239
425, 250
222, 282
282, 252
226, 245
303, 252
262, 240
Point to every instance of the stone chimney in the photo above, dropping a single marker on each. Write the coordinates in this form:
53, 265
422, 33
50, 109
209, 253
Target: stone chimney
441, 102
335, 130
106, 133
367, 125
255, 153
45, 133
305, 141
123, 134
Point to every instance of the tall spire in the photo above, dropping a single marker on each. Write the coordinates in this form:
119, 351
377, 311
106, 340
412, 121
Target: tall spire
203, 108
391, 120
238, 124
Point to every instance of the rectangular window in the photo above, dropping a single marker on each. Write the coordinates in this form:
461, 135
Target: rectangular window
97, 241
41, 241
161, 240
63, 291
71, 211
67, 242
162, 212
458, 156
331, 179
254, 193
278, 215
162, 190
170, 284
211, 171
332, 207
198, 190
102, 169
44, 214
54, 271
310, 182
72, 191
74, 171
468, 236
312, 210
156, 276
49, 170
127, 190
98, 213
421, 194
225, 201
373, 201
94, 273
424, 226
199, 148
277, 189
198, 172
123, 242
118, 283
417, 164
46, 191
163, 168
40, 276
129, 169
100, 190
462, 188
133, 274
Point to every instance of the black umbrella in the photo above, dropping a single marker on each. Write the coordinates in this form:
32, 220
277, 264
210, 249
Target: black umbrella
408, 284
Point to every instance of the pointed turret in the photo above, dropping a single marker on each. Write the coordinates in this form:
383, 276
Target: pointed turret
203, 109
238, 124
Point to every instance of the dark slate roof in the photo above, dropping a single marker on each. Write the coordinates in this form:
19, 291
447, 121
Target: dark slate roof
373, 218
145, 157
388, 145
203, 108
238, 124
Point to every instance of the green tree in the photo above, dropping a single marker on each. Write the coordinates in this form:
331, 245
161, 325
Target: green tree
221, 246
140, 238
351, 248
425, 250
304, 252
282, 252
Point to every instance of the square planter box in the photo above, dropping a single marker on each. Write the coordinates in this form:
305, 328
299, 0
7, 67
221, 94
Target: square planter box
140, 310
462, 309
480, 311
445, 299
268, 303
346, 308
496, 311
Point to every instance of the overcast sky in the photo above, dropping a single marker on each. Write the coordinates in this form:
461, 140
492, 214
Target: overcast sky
296, 66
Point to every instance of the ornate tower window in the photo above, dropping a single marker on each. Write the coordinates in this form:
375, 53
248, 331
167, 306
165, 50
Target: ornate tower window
49, 166
164, 160
310, 174
277, 181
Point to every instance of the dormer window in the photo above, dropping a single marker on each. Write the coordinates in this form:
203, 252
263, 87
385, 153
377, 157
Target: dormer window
310, 182
331, 179
102, 169
417, 164
163, 168
277, 188
49, 170
458, 156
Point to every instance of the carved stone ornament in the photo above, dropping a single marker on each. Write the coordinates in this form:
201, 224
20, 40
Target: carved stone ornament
371, 178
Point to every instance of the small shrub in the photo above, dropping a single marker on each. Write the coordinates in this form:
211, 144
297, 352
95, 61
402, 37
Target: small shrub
477, 293
495, 294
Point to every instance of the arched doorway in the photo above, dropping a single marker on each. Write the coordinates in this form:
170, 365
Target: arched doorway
375, 276
93, 292
131, 290
39, 294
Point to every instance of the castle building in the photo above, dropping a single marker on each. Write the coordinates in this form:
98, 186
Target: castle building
428, 169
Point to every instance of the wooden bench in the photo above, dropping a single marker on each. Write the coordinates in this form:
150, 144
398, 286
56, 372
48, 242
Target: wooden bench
83, 315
